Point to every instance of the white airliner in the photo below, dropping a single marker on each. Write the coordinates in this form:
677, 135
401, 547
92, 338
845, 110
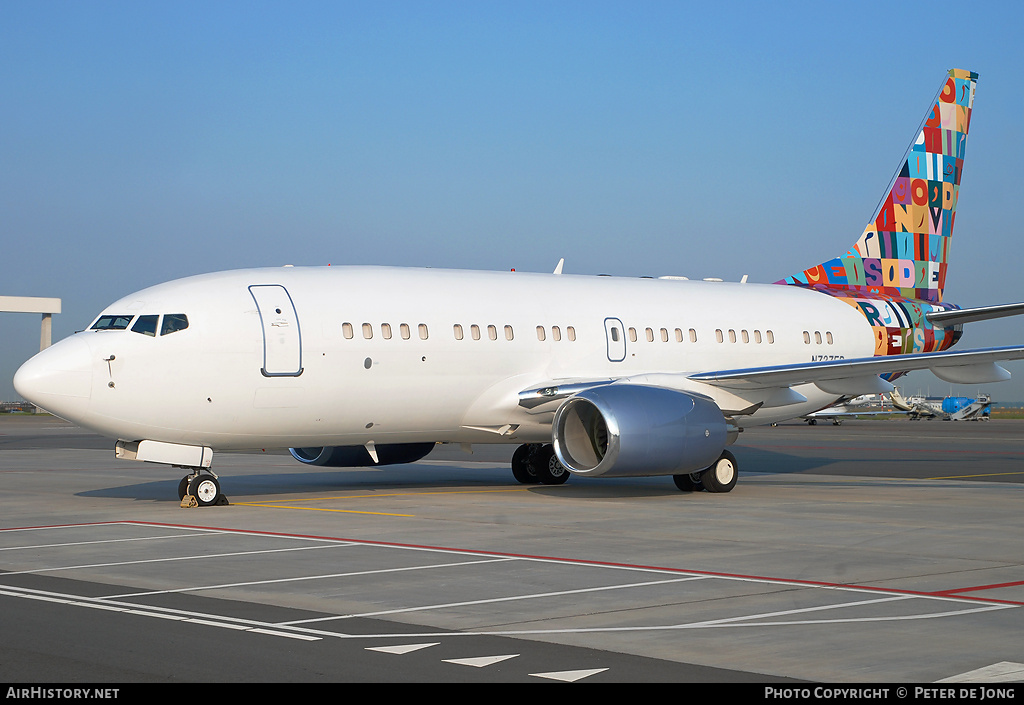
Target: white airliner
598, 376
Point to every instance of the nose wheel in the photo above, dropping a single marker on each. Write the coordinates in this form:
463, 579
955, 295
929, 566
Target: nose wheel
201, 489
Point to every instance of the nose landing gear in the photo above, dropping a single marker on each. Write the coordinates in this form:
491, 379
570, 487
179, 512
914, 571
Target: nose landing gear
200, 489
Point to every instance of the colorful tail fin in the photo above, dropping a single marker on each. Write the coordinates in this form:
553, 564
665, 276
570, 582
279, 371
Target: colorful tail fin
904, 249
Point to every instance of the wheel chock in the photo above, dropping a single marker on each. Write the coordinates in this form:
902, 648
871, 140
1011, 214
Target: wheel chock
188, 501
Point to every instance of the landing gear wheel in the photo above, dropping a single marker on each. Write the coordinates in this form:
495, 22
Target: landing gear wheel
183, 487
722, 476
549, 470
522, 464
688, 483
205, 489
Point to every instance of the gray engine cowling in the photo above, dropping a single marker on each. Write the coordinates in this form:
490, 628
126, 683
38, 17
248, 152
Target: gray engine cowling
632, 430
359, 457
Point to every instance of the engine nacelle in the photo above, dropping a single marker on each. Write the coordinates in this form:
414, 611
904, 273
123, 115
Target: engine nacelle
359, 457
624, 430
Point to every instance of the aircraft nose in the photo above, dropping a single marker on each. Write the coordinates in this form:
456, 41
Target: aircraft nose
58, 379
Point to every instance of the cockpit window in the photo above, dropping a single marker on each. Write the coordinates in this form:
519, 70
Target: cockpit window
145, 325
173, 322
112, 323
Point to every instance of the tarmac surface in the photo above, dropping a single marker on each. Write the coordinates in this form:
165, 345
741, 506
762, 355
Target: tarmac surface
872, 552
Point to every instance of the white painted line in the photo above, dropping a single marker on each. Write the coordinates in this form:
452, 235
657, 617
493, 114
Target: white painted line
201, 556
1002, 672
492, 600
402, 649
479, 661
92, 543
222, 586
289, 635
178, 615
569, 676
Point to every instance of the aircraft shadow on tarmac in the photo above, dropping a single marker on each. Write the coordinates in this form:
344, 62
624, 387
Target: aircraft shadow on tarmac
422, 477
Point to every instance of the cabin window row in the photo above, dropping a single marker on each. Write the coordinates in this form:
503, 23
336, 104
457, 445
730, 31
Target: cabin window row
476, 333
745, 336
386, 332
817, 337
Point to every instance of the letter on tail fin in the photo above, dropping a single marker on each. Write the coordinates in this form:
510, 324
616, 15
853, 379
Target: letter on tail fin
904, 249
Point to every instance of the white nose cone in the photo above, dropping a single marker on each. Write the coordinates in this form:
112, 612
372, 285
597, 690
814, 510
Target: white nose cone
58, 379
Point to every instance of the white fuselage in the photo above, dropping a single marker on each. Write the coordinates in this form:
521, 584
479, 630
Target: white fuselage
326, 356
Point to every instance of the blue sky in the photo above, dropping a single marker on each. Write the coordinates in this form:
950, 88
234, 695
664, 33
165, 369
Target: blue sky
146, 141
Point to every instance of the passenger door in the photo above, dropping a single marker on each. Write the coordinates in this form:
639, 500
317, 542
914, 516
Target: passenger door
282, 341
615, 335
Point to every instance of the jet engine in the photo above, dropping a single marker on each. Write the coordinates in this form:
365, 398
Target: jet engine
625, 430
359, 457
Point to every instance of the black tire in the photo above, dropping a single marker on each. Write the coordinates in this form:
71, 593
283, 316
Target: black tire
549, 470
689, 482
722, 476
183, 487
522, 467
205, 489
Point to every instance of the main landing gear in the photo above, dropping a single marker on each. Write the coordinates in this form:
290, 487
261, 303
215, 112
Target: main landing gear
720, 477
534, 463
200, 489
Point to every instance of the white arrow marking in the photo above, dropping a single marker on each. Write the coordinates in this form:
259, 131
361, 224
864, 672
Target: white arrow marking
479, 661
569, 676
400, 649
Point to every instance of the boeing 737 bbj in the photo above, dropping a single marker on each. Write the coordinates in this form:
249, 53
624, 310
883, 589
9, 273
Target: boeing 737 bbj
593, 376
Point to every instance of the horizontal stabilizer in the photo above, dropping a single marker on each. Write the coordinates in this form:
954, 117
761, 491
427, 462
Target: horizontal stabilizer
948, 319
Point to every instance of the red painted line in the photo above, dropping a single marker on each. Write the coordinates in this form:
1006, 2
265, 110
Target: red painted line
994, 586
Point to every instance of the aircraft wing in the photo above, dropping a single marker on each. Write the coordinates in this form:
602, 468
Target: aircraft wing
846, 376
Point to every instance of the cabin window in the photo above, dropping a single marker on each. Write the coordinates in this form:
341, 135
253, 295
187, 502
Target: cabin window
650, 335
817, 337
367, 331
346, 330
474, 331
693, 335
423, 331
540, 333
718, 335
570, 333
828, 337
771, 337
404, 330
757, 336
145, 325
492, 332
173, 322
744, 336
112, 323
807, 338
732, 336
632, 335
615, 335
664, 335
508, 333
385, 331
679, 335
458, 331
